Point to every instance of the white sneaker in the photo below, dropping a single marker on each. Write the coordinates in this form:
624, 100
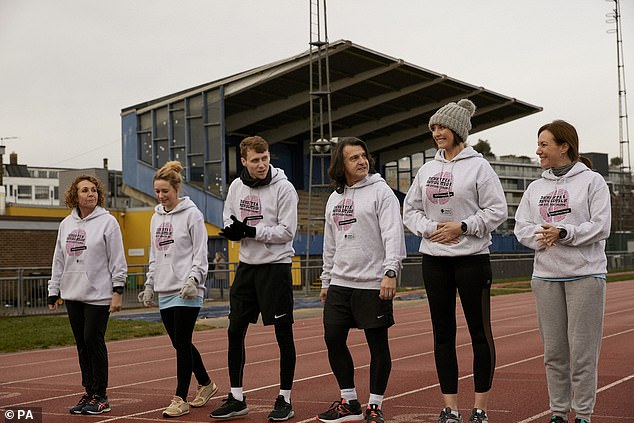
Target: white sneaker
177, 407
204, 394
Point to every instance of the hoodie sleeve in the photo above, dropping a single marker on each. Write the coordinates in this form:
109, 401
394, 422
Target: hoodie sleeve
58, 264
414, 216
116, 257
198, 233
286, 227
492, 209
328, 251
227, 210
152, 259
525, 226
597, 228
389, 215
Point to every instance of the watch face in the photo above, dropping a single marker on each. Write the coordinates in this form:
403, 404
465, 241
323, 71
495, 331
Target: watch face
390, 274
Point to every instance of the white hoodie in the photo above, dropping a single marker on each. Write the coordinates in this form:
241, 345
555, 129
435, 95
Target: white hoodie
272, 210
465, 189
89, 259
578, 202
363, 235
178, 248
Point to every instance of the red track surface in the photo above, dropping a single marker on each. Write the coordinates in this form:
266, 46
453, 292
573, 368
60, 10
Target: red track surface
142, 371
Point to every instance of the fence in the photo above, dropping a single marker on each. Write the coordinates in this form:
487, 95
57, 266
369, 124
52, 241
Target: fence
24, 290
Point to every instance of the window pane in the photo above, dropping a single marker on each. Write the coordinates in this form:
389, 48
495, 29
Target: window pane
178, 124
24, 191
41, 192
214, 143
161, 123
162, 153
197, 170
196, 136
214, 179
145, 144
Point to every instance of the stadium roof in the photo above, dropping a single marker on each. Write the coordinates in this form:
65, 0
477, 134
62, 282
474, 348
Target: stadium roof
387, 102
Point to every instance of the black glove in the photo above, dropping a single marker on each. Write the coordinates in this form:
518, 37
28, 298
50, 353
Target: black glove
52, 299
232, 233
247, 231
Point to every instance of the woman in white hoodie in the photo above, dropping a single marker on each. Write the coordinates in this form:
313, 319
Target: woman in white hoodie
454, 203
177, 272
565, 217
89, 273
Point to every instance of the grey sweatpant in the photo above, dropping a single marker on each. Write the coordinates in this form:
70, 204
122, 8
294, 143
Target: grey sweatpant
570, 317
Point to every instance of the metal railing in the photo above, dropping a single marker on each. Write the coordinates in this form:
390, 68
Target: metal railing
24, 290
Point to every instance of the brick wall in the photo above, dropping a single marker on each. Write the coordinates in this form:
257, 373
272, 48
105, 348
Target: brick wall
26, 248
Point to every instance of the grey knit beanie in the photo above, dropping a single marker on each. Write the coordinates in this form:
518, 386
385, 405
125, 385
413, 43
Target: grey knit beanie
456, 117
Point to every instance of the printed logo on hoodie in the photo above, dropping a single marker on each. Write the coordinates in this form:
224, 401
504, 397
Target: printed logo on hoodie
343, 214
554, 206
76, 242
251, 210
438, 188
163, 236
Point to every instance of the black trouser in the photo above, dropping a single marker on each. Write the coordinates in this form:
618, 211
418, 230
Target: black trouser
179, 323
471, 276
236, 353
88, 323
341, 363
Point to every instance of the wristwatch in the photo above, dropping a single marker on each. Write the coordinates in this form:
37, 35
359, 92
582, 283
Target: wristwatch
390, 273
118, 290
562, 233
463, 226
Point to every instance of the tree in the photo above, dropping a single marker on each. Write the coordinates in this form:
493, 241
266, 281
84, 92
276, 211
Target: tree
616, 161
483, 147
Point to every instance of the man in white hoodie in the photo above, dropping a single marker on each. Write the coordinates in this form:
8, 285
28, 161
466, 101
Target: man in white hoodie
364, 246
261, 213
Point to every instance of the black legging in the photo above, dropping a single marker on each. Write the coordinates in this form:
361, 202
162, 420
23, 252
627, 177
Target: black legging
341, 363
88, 323
237, 333
179, 323
471, 276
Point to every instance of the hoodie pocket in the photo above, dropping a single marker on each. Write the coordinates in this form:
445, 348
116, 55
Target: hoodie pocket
76, 286
166, 279
356, 264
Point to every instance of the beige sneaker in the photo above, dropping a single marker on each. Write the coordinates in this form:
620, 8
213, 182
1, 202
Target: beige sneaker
204, 394
177, 407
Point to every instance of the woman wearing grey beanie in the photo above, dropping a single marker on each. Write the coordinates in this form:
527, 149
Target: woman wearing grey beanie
454, 203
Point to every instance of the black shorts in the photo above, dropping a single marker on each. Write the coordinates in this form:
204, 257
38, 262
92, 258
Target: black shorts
357, 308
262, 288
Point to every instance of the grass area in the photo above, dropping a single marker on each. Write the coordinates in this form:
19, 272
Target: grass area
41, 332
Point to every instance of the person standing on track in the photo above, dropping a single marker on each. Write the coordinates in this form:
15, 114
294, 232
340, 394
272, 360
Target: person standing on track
177, 272
565, 217
266, 203
364, 246
89, 274
454, 203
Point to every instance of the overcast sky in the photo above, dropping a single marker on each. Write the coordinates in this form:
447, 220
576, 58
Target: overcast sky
68, 67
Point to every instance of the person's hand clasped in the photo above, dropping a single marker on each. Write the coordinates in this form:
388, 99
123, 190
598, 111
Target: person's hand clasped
147, 296
547, 236
116, 303
238, 230
190, 289
446, 233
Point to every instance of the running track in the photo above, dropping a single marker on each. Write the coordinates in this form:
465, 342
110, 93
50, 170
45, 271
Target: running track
142, 371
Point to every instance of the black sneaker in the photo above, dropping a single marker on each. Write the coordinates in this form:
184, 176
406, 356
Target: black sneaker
282, 410
96, 405
342, 411
447, 416
231, 408
557, 419
478, 416
373, 414
84, 400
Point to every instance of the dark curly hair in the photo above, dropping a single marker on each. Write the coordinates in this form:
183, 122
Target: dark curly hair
336, 170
